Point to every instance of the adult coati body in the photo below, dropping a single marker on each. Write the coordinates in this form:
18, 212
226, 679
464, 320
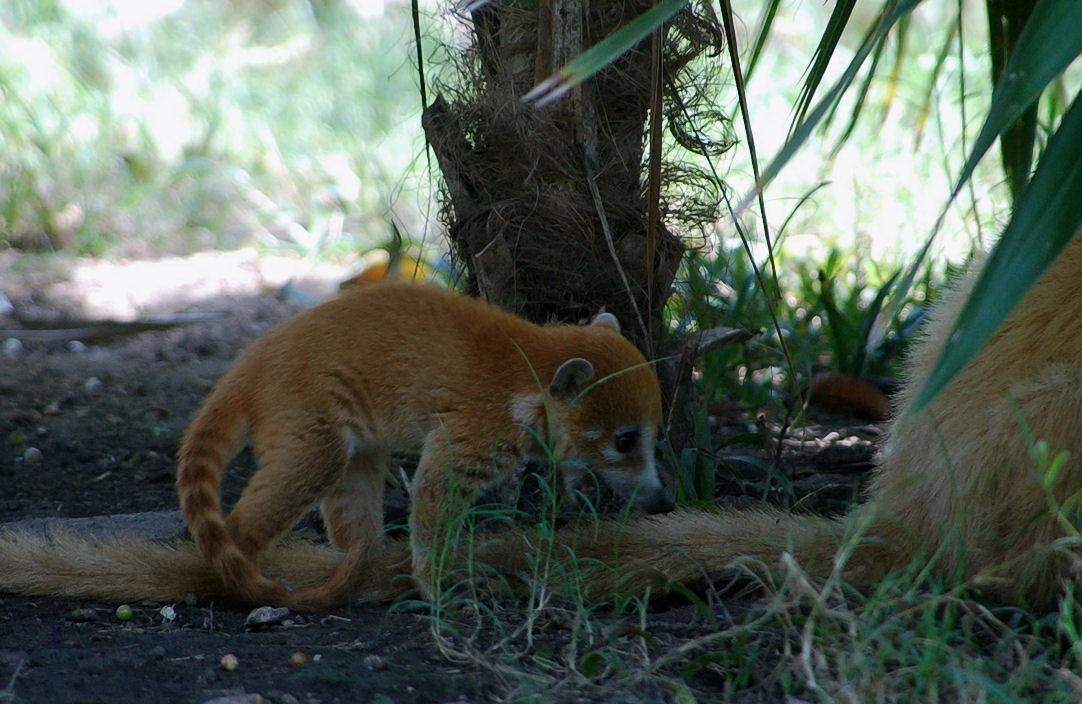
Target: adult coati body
956, 486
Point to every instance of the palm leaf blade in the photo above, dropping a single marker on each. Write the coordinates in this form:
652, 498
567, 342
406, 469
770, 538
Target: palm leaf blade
1046, 218
1050, 41
603, 53
800, 134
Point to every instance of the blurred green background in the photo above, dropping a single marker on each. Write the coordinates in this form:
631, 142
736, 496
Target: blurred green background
135, 129
149, 128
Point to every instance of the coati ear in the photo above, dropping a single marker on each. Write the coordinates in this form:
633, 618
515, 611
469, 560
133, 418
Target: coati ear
606, 319
571, 378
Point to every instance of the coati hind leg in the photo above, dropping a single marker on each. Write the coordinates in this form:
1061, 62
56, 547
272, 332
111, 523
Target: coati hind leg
353, 515
298, 465
353, 509
301, 460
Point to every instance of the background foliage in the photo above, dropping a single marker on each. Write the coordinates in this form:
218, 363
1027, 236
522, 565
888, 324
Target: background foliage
133, 129
152, 128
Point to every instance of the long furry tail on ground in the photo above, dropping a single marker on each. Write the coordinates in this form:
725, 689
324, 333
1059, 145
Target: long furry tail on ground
122, 569
682, 547
656, 552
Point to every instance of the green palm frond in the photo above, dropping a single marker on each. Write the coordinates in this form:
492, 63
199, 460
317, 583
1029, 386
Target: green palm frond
889, 16
1047, 214
1051, 40
839, 18
769, 13
602, 54
1045, 219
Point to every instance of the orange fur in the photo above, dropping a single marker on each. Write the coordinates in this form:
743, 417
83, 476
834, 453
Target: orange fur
325, 396
845, 393
956, 487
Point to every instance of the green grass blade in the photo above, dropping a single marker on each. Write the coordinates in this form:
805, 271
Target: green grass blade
925, 108
1045, 219
839, 327
867, 326
839, 18
901, 52
1006, 20
887, 19
603, 53
415, 20
1051, 40
862, 96
769, 13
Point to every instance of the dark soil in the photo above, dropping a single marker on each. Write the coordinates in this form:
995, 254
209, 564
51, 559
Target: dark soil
90, 428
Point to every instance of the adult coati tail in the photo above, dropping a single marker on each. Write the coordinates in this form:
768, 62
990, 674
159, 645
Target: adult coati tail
691, 545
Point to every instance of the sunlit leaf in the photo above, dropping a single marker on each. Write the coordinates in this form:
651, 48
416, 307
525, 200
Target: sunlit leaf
933, 78
901, 45
769, 13
862, 96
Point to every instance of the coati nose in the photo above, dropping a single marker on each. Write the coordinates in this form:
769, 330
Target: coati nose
659, 502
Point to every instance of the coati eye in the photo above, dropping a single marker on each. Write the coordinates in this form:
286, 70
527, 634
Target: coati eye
626, 440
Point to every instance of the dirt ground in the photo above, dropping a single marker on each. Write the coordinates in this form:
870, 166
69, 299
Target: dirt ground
89, 426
